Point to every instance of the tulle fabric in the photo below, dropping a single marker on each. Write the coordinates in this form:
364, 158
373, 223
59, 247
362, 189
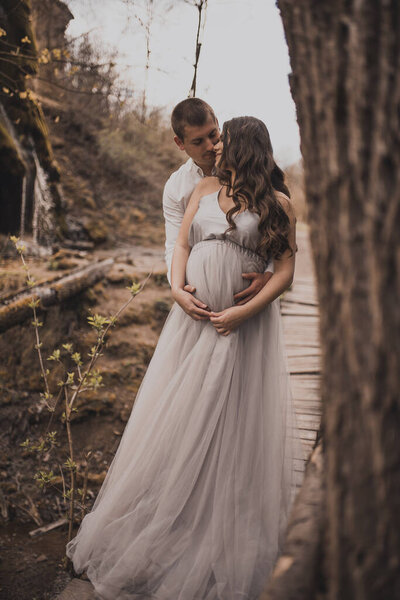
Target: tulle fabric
196, 499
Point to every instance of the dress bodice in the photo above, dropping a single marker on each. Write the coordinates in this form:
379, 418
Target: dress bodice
210, 222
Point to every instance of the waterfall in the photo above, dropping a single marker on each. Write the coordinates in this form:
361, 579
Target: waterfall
43, 204
23, 208
36, 194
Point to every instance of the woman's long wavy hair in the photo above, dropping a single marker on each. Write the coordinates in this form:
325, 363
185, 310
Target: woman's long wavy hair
248, 170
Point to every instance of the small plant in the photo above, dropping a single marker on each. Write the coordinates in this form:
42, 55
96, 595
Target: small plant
76, 379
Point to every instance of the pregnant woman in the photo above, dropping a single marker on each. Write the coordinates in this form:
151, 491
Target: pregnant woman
196, 499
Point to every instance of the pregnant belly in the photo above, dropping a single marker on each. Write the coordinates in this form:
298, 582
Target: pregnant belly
215, 269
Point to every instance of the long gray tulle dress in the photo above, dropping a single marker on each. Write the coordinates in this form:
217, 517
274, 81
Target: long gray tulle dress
196, 499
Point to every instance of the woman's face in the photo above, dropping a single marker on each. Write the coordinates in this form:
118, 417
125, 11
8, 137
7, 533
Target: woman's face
218, 147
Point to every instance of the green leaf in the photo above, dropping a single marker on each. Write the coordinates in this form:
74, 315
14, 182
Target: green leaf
134, 288
55, 356
76, 357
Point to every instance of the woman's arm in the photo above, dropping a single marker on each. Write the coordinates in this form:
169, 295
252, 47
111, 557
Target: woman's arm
227, 320
191, 305
283, 270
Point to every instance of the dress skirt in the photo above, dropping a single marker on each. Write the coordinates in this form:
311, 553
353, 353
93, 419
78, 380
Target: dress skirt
195, 502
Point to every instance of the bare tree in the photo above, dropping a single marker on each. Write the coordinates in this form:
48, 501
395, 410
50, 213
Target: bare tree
146, 22
346, 85
201, 6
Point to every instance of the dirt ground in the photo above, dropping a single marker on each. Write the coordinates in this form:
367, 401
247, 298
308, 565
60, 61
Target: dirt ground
31, 568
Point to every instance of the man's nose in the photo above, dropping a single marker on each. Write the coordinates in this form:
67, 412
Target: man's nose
210, 145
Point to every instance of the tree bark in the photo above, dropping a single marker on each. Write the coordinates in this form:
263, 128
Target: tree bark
294, 576
346, 85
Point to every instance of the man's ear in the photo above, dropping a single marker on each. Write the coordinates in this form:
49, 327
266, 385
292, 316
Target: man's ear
179, 143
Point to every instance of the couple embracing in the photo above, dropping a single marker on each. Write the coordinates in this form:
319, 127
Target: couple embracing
195, 502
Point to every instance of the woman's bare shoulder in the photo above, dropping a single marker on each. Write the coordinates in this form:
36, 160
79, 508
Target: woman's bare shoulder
208, 184
281, 195
286, 203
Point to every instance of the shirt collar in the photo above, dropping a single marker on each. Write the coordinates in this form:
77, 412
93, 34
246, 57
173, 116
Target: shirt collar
195, 168
192, 166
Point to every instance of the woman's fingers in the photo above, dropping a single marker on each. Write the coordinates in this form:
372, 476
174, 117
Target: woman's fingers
200, 303
216, 317
220, 328
200, 312
223, 331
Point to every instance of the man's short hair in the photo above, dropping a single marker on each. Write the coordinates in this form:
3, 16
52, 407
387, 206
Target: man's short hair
192, 111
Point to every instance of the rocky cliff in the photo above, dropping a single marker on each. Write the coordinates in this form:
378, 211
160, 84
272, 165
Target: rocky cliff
30, 194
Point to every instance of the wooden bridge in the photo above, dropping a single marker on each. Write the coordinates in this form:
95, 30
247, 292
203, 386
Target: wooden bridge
299, 309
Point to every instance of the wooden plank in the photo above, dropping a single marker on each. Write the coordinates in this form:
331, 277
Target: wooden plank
296, 350
309, 342
301, 298
308, 407
308, 434
305, 450
304, 364
306, 383
299, 310
311, 422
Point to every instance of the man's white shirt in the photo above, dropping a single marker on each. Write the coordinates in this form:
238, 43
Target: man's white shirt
177, 192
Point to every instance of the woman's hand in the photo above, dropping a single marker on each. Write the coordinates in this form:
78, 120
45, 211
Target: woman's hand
191, 305
229, 319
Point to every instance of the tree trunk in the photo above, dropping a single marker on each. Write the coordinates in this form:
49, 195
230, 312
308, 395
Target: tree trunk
346, 85
294, 575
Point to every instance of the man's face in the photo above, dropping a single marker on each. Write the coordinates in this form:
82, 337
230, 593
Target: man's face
199, 142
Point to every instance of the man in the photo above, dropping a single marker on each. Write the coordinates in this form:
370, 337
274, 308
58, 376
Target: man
196, 132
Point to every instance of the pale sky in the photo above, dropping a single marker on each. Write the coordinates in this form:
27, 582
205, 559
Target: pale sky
243, 67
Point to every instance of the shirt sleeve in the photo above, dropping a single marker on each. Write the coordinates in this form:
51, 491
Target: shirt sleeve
173, 214
270, 266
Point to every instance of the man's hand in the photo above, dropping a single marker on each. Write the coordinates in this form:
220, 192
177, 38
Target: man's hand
258, 280
189, 288
191, 305
228, 320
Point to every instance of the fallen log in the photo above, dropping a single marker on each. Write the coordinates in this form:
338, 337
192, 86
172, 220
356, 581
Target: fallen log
48, 527
294, 576
15, 308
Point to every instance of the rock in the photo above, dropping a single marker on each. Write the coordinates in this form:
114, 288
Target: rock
121, 273
160, 278
96, 230
65, 259
41, 558
137, 214
75, 231
77, 589
93, 402
78, 244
